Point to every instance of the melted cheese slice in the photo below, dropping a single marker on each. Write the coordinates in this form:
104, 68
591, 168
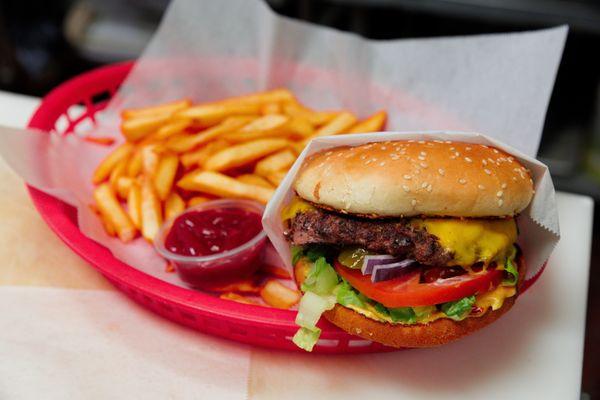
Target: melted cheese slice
472, 240
297, 205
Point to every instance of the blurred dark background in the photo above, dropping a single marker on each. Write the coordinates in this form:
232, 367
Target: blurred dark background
44, 43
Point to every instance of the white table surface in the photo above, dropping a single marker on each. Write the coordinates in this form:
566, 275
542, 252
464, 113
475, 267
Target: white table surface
535, 351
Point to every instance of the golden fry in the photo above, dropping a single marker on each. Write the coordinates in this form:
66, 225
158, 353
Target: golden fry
174, 205
180, 144
275, 162
224, 186
151, 212
238, 298
278, 295
276, 177
122, 186
270, 96
108, 226
165, 175
194, 201
271, 108
134, 204
254, 180
268, 125
213, 113
244, 153
166, 108
101, 140
171, 128
339, 124
138, 128
241, 286
117, 172
316, 118
109, 207
300, 127
374, 123
198, 157
104, 169
150, 159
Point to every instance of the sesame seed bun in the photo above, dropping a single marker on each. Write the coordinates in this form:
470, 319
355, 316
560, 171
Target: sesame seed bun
410, 178
436, 333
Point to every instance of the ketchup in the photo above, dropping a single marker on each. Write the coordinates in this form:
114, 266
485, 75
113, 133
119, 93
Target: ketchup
211, 231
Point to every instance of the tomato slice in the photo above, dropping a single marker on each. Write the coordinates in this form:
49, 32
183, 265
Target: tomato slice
407, 291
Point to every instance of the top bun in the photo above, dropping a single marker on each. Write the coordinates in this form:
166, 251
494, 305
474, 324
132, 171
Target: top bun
410, 178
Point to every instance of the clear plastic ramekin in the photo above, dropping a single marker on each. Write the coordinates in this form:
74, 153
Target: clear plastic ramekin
208, 271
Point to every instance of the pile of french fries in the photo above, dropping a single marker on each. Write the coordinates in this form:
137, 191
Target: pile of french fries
180, 154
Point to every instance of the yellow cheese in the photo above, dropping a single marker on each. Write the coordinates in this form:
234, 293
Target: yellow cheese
296, 206
472, 240
494, 298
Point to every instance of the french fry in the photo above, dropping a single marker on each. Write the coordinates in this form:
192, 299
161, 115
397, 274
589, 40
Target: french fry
238, 298
165, 108
134, 204
276, 177
277, 295
339, 124
165, 175
185, 143
172, 128
104, 169
271, 108
244, 153
137, 128
150, 159
278, 272
101, 140
241, 286
134, 166
151, 212
254, 179
266, 126
270, 96
316, 118
122, 186
374, 123
212, 114
109, 207
275, 162
117, 172
194, 201
198, 157
299, 127
109, 228
174, 205
222, 185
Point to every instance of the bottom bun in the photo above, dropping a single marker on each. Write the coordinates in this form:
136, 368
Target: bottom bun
436, 333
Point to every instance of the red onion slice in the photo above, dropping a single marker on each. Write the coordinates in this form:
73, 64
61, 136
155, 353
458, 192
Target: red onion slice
384, 272
371, 261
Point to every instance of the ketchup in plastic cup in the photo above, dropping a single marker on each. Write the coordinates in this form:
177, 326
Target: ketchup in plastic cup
215, 242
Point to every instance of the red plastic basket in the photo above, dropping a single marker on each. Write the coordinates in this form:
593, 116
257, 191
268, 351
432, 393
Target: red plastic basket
256, 325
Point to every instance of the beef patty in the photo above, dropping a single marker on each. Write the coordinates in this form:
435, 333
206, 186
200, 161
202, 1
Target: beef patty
395, 237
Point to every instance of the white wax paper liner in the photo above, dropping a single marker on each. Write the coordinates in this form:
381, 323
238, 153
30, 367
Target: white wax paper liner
538, 223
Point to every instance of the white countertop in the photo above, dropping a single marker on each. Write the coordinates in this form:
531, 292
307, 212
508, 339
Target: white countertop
535, 351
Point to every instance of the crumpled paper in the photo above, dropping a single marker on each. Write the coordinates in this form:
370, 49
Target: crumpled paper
498, 84
539, 231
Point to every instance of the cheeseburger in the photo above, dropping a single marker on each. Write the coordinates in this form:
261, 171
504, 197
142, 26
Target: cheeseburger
406, 243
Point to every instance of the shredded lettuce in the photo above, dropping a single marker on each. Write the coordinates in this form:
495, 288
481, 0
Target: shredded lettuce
306, 338
511, 268
311, 307
321, 278
459, 309
346, 295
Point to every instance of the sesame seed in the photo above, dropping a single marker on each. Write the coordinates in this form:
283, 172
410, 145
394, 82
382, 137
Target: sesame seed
406, 188
407, 177
441, 171
424, 185
411, 141
484, 162
492, 161
452, 148
457, 154
381, 164
329, 153
383, 148
514, 178
374, 159
421, 141
320, 165
483, 145
453, 157
417, 171
368, 162
495, 151
467, 148
510, 159
481, 187
448, 142
503, 186
467, 159
413, 202
462, 181
423, 165
438, 141
394, 156
422, 158
500, 202
429, 187
487, 171
500, 193
362, 157
423, 153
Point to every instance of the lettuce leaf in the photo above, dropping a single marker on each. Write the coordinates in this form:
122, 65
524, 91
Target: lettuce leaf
512, 270
459, 309
306, 338
346, 295
321, 278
